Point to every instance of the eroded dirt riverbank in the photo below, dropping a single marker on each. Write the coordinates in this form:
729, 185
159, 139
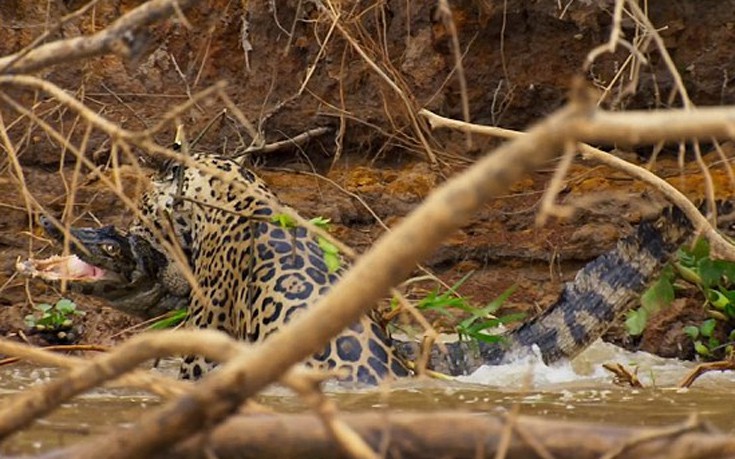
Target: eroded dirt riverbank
519, 60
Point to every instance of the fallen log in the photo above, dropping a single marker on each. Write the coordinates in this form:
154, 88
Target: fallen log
447, 434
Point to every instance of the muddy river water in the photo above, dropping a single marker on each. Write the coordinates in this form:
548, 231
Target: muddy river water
580, 390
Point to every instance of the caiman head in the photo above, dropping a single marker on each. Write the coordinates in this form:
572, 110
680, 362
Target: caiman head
123, 269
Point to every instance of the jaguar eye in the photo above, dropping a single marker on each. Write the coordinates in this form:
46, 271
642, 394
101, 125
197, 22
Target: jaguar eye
111, 249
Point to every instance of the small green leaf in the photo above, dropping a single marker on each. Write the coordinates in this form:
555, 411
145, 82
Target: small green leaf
658, 296
66, 306
320, 222
284, 221
685, 258
701, 349
700, 250
332, 261
331, 254
327, 246
636, 321
717, 315
730, 294
43, 307
728, 272
516, 317
481, 326
692, 331
30, 320
46, 321
688, 274
174, 318
730, 310
460, 282
707, 327
717, 299
710, 271
495, 304
486, 338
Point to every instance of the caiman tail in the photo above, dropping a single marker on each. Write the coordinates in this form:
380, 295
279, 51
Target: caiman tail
603, 290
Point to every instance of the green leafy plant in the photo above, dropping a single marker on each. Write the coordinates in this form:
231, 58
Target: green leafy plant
715, 279
52, 317
480, 320
331, 255
704, 342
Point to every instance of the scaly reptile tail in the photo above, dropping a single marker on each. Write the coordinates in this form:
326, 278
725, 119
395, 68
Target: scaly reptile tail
604, 289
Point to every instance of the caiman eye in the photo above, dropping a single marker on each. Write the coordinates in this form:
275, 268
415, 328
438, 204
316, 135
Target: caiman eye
112, 250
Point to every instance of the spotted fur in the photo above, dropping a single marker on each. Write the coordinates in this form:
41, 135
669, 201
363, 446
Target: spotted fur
254, 275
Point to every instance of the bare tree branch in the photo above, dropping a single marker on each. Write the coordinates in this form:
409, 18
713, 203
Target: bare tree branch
631, 127
634, 127
117, 38
161, 385
31, 404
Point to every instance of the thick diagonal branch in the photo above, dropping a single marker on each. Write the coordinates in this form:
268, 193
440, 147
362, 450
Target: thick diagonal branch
389, 262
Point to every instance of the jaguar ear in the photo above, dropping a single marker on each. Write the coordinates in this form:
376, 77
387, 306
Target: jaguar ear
163, 165
171, 165
167, 165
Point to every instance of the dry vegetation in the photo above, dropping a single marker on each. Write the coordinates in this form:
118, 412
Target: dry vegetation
200, 421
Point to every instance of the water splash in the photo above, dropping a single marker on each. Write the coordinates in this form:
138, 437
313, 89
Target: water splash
586, 370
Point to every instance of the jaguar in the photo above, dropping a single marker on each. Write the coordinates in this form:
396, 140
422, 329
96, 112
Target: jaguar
254, 275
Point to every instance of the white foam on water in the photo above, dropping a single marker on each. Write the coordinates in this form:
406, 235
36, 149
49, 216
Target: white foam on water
531, 373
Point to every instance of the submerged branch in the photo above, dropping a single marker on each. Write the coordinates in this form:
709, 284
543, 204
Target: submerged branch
444, 434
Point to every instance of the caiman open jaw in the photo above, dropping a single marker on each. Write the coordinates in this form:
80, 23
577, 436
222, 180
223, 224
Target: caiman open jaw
123, 269
97, 255
57, 267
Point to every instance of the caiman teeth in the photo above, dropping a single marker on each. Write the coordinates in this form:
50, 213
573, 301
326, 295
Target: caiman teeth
58, 267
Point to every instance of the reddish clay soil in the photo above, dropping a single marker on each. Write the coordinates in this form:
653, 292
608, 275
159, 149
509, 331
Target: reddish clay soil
382, 170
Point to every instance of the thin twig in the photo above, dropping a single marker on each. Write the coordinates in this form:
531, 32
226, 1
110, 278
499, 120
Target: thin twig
296, 140
682, 90
307, 387
446, 14
410, 109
